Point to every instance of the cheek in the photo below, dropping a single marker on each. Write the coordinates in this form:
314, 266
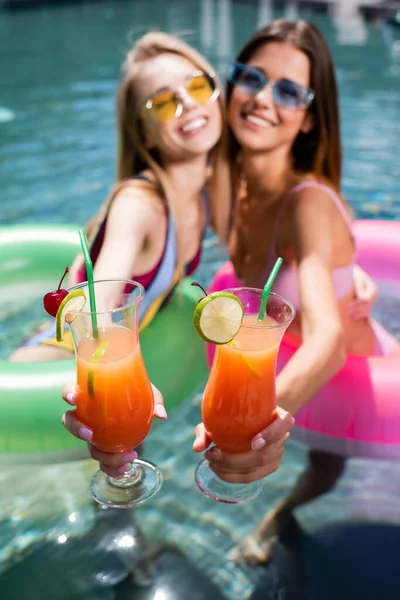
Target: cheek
292, 119
155, 134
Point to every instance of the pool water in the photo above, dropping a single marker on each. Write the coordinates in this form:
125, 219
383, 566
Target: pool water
60, 69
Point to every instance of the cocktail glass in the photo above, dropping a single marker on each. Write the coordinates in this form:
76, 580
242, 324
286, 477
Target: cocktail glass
240, 399
115, 397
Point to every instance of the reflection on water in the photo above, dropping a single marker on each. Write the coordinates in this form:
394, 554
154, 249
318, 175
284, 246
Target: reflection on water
51, 515
349, 22
60, 69
57, 107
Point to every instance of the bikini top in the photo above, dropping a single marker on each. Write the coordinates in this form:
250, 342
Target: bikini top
286, 283
160, 282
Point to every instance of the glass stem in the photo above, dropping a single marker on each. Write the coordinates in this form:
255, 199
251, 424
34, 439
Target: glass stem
133, 475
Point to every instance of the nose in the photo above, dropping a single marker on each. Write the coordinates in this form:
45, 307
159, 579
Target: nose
265, 97
188, 103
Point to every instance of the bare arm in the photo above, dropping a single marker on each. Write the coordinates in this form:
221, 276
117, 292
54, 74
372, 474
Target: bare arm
131, 218
75, 268
322, 352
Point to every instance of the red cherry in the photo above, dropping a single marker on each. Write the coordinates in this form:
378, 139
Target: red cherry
52, 300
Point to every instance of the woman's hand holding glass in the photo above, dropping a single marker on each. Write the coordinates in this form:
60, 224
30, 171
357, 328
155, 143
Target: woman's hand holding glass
264, 458
111, 464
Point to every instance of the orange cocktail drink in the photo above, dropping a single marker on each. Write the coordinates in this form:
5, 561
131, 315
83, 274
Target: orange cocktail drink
115, 396
239, 400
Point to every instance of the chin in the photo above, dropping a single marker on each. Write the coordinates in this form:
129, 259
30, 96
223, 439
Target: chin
252, 145
202, 146
256, 141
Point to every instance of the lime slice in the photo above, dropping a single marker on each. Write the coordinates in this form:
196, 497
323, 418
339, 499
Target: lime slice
218, 317
248, 363
96, 357
99, 352
75, 301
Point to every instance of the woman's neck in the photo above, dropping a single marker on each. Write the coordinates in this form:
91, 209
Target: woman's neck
189, 177
268, 175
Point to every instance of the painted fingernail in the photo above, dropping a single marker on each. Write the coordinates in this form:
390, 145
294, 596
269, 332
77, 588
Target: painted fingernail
85, 434
213, 454
130, 456
122, 469
71, 397
258, 443
161, 412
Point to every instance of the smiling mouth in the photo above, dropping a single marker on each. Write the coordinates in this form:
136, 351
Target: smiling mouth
259, 122
194, 125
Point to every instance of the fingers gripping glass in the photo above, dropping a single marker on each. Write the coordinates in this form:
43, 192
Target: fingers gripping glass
285, 93
168, 104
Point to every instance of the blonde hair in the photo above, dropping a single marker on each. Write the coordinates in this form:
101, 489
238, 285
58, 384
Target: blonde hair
133, 156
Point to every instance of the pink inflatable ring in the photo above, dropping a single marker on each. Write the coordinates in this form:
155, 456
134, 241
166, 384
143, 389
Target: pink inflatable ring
358, 412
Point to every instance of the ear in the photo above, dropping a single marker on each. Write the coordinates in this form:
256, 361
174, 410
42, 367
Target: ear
308, 124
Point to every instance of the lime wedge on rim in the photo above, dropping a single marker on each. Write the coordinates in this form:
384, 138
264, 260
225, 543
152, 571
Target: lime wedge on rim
218, 317
75, 301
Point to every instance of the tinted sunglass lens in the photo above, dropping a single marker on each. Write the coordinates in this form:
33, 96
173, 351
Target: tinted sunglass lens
201, 88
167, 105
287, 93
164, 106
247, 80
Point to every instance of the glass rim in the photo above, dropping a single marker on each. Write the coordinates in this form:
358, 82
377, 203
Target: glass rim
112, 310
260, 292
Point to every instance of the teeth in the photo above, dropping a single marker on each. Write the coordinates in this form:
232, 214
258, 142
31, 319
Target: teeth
257, 120
196, 124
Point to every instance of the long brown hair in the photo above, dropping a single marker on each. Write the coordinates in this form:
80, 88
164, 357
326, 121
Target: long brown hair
133, 156
319, 150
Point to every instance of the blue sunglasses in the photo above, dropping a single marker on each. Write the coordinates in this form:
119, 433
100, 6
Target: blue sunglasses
285, 93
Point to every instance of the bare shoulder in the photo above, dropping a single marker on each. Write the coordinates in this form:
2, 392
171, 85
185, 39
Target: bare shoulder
140, 198
312, 199
312, 214
320, 198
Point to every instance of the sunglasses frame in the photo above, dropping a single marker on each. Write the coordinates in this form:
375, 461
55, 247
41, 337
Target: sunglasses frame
211, 77
308, 92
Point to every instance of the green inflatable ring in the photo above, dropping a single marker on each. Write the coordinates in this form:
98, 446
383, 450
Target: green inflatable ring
30, 401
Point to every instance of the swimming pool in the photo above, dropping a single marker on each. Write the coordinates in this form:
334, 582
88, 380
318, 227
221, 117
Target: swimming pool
60, 71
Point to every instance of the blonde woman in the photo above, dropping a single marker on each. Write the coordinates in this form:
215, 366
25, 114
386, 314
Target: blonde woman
151, 227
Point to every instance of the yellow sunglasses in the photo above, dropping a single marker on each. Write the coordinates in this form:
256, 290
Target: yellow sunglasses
167, 105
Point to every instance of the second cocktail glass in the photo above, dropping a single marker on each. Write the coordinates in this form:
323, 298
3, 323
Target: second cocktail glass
239, 399
115, 397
